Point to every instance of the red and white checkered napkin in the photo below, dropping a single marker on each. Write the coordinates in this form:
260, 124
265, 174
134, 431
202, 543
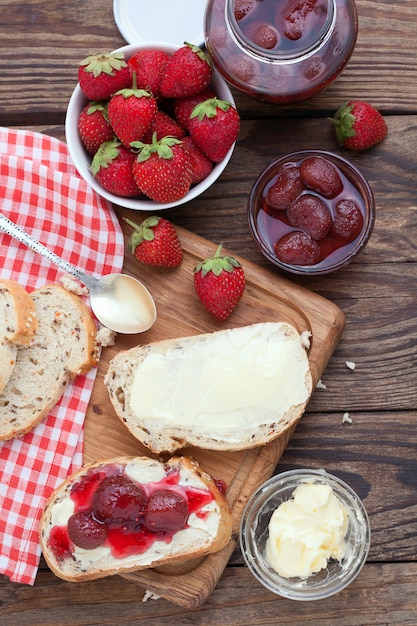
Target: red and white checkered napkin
41, 191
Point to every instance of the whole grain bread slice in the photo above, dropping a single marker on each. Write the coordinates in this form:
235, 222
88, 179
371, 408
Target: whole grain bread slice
18, 325
63, 347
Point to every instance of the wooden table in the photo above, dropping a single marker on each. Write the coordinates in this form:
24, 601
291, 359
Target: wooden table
41, 43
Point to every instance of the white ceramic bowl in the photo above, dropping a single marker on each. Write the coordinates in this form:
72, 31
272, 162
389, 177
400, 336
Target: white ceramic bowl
82, 160
254, 534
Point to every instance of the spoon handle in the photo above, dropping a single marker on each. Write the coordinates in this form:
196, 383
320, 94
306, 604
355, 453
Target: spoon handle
19, 234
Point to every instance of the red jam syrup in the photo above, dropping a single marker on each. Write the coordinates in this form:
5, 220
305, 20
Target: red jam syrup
164, 510
326, 242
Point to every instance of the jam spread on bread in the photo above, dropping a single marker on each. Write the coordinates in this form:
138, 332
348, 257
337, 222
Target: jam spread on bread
113, 510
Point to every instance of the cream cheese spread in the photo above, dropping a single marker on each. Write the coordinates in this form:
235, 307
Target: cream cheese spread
242, 377
306, 531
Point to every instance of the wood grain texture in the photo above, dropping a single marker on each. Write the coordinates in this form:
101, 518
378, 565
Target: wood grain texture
41, 43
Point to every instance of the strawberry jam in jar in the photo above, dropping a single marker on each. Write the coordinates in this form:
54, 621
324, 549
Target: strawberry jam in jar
280, 51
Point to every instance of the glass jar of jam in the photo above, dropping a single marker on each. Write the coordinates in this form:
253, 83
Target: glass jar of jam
280, 51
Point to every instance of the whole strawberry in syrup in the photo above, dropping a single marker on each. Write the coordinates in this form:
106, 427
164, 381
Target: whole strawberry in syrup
101, 75
219, 282
359, 125
155, 242
214, 126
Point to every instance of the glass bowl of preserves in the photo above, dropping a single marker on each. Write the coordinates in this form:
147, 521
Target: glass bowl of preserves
311, 212
305, 534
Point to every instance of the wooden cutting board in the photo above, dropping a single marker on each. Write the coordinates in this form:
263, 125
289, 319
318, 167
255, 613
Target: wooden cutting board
267, 297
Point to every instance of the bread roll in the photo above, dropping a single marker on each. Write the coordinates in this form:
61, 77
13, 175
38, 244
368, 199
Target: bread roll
228, 390
134, 533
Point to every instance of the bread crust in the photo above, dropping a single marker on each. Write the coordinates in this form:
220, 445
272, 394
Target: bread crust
174, 436
222, 538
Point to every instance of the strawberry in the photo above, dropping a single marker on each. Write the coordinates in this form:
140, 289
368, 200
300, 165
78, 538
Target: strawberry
162, 169
214, 126
188, 71
263, 35
112, 167
163, 125
155, 242
131, 113
183, 106
200, 163
359, 125
219, 282
149, 66
93, 126
101, 75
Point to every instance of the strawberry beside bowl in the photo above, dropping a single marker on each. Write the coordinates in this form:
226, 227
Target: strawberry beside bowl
311, 212
83, 159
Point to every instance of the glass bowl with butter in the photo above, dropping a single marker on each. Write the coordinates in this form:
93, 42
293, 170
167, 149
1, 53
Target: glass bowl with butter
305, 534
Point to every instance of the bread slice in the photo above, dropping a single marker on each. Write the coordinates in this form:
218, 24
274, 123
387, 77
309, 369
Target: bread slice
129, 545
63, 347
227, 390
18, 325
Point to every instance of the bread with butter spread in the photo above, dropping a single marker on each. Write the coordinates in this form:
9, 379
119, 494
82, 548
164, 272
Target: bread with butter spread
132, 513
227, 390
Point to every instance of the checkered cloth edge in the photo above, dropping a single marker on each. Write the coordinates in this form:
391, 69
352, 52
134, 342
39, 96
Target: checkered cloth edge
41, 191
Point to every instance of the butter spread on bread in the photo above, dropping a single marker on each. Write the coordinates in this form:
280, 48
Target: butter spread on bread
227, 390
18, 325
133, 534
63, 346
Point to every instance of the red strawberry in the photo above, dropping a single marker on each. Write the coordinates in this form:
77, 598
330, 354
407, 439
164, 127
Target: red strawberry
93, 126
155, 242
162, 169
219, 282
359, 125
112, 167
163, 125
131, 113
149, 66
183, 107
101, 75
201, 164
214, 125
263, 35
187, 72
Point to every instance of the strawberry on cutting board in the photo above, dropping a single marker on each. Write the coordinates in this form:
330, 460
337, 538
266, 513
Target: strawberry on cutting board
101, 75
219, 282
214, 126
162, 169
155, 242
359, 125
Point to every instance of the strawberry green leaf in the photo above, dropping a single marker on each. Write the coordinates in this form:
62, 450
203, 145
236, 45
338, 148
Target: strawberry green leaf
107, 63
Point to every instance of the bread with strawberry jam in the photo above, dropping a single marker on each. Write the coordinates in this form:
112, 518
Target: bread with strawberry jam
132, 513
